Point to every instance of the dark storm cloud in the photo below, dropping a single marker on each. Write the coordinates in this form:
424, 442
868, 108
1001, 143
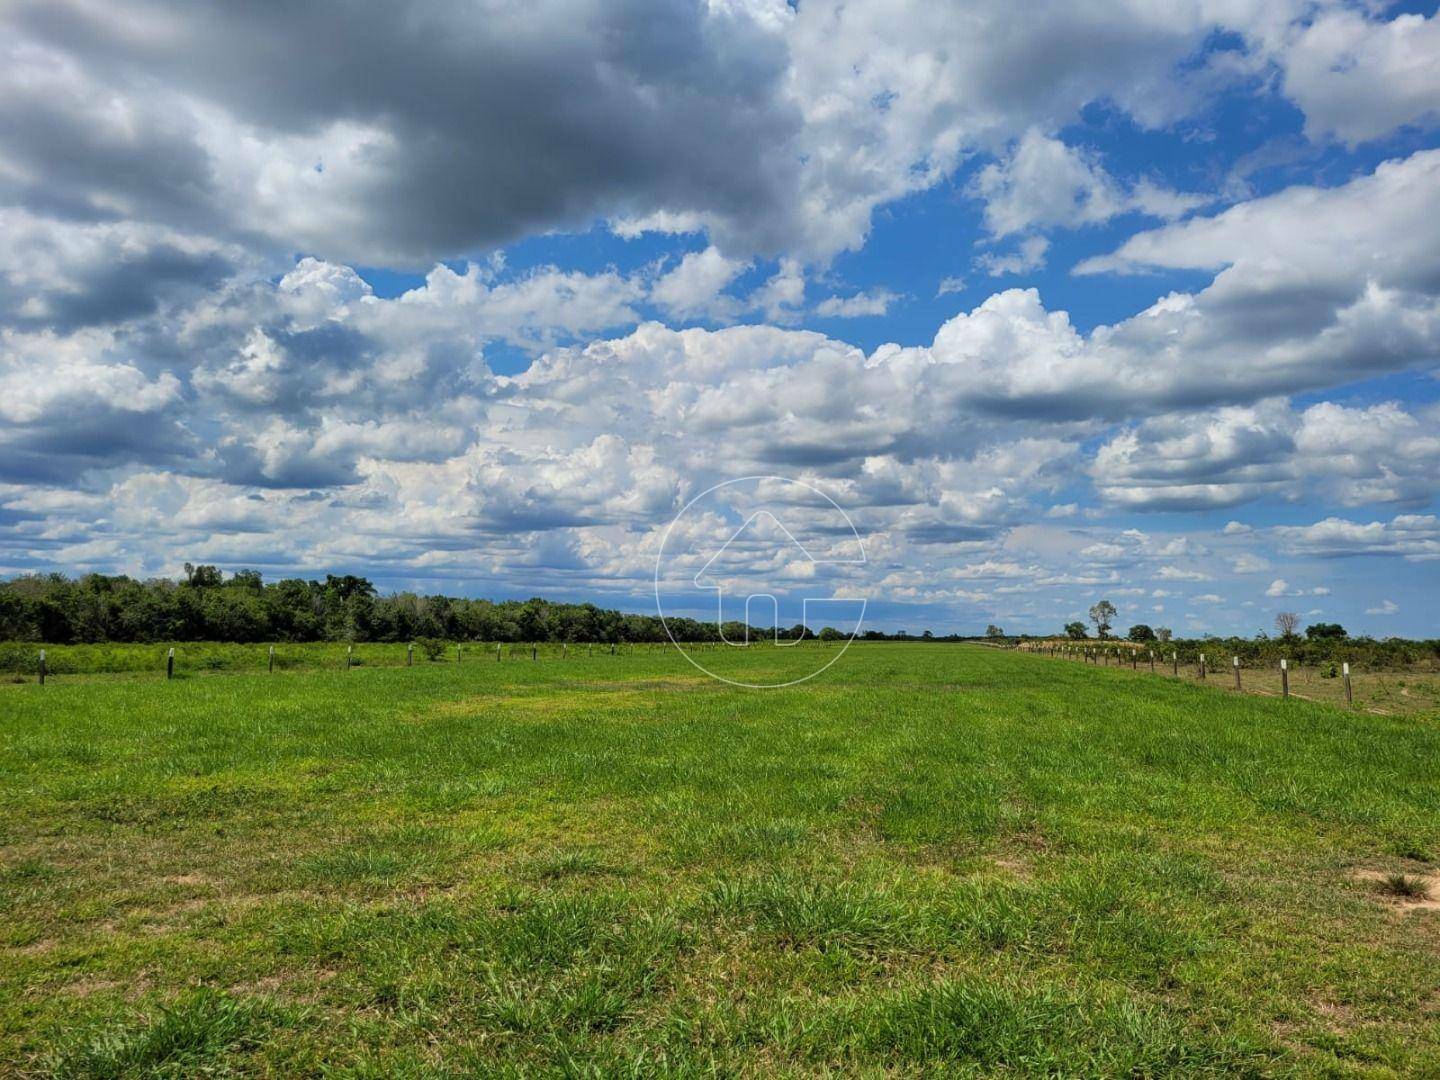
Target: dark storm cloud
113, 290
65, 447
498, 120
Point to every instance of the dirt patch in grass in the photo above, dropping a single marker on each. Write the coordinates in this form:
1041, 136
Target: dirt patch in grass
1014, 867
1338, 1018
1403, 890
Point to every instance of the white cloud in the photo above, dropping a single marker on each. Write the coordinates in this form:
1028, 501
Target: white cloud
1175, 573
770, 127
780, 298
697, 285
1413, 536
1385, 607
1280, 587
1358, 79
1197, 460
1029, 254
204, 392
1044, 183
858, 305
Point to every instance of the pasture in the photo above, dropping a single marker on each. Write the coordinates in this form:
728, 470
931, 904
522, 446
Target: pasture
931, 859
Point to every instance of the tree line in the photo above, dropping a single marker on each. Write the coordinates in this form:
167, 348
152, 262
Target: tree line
243, 608
1319, 643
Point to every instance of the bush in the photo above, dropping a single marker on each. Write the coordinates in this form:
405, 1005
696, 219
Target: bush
432, 648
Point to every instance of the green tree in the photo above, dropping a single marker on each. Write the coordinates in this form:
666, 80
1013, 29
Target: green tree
1103, 616
203, 577
1076, 631
1141, 632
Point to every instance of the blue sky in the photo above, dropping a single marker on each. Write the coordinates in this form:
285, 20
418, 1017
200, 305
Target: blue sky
1140, 301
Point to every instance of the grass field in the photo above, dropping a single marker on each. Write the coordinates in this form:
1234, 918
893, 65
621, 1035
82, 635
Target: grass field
941, 859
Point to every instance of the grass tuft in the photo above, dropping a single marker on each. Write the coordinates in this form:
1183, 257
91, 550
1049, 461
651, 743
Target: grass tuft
1405, 886
192, 1036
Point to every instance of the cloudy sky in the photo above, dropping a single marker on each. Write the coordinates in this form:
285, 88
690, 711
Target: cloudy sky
1137, 298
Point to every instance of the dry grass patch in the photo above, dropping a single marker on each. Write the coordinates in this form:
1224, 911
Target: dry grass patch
1406, 891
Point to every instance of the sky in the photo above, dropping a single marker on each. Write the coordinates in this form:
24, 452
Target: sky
1058, 301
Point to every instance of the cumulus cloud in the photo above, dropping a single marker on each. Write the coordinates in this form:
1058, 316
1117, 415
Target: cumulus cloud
432, 132
171, 376
1358, 79
1044, 183
857, 305
696, 286
1414, 537
1028, 254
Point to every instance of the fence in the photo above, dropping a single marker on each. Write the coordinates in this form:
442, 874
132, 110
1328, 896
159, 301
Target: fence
45, 663
1197, 663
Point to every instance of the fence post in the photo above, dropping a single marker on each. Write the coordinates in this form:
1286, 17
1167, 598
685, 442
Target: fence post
1152, 660
410, 654
349, 650
457, 652
1349, 693
497, 652
1202, 666
564, 650
42, 667
1284, 678
170, 663
1175, 663
271, 660
1134, 659
533, 652
1237, 673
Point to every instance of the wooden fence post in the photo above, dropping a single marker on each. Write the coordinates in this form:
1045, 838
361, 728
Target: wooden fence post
1152, 660
1175, 663
170, 663
1284, 678
1349, 692
1134, 659
457, 652
1237, 673
271, 660
349, 651
42, 667
1202, 666
533, 652
497, 652
410, 655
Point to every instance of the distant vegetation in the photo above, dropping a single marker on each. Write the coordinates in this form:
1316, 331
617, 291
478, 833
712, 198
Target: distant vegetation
208, 606
242, 608
1320, 644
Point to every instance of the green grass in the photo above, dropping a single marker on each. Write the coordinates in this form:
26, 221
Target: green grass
932, 859
20, 660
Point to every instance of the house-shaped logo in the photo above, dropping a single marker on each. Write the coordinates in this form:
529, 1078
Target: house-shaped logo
761, 554
748, 574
